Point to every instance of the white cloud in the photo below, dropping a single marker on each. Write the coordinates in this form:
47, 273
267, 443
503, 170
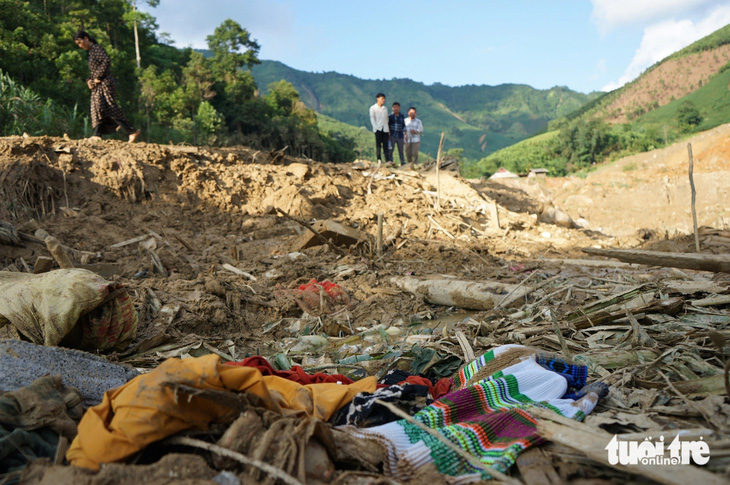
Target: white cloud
611, 14
666, 37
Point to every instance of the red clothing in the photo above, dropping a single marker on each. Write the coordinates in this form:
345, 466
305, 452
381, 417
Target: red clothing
296, 373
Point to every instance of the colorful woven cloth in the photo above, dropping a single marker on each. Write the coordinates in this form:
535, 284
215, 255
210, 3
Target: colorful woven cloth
487, 415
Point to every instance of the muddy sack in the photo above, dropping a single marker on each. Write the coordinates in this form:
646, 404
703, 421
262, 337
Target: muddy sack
68, 307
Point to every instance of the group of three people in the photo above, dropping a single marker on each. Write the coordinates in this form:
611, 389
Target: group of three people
395, 130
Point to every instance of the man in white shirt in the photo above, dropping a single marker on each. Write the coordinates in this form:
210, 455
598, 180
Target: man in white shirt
413, 132
379, 120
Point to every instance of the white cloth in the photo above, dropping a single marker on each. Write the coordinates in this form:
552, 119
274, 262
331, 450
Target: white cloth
413, 124
379, 118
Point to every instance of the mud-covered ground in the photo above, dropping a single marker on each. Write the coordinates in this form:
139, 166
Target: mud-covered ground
208, 241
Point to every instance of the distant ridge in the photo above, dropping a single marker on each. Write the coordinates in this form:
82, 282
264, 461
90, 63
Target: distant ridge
479, 119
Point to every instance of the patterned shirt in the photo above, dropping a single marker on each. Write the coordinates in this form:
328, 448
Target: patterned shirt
413, 124
396, 125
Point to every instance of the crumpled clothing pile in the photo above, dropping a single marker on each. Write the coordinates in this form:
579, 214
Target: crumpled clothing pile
148, 408
32, 419
487, 414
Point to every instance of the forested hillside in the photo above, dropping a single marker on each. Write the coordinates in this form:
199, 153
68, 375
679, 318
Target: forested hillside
478, 119
687, 92
175, 95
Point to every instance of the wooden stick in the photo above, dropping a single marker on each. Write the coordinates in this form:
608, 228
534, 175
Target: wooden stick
718, 263
559, 333
219, 450
438, 172
58, 253
694, 196
379, 242
372, 176
316, 233
438, 226
473, 461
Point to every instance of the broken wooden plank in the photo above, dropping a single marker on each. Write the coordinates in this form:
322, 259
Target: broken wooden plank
473, 295
42, 265
592, 442
717, 263
329, 231
670, 306
712, 301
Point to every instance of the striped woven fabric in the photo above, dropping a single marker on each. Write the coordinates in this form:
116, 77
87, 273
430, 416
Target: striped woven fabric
490, 418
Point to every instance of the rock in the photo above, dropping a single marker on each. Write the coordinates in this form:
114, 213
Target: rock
299, 170
553, 215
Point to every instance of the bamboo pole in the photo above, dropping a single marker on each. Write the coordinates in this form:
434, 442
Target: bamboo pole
438, 172
380, 235
694, 196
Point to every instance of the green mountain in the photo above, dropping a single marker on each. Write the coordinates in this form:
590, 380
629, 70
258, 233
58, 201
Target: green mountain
479, 119
686, 92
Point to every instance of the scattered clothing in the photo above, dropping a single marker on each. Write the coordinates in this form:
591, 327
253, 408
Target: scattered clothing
68, 307
436, 389
106, 115
148, 408
487, 415
319, 298
432, 364
364, 412
31, 421
296, 373
91, 375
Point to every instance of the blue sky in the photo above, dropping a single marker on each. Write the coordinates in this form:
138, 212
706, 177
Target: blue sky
587, 45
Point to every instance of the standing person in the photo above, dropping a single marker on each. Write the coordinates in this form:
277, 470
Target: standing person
396, 124
106, 116
379, 120
414, 130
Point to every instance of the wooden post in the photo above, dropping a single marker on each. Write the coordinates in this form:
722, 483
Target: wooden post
493, 215
380, 235
438, 172
694, 196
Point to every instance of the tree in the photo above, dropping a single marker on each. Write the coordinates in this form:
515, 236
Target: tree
688, 116
232, 48
137, 17
282, 96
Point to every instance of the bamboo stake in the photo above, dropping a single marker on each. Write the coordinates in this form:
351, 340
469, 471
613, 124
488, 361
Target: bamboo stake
380, 235
438, 172
694, 196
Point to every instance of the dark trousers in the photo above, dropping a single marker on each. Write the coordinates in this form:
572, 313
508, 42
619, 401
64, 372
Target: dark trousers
109, 125
399, 142
381, 140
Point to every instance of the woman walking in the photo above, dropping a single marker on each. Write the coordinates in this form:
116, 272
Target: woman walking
106, 116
